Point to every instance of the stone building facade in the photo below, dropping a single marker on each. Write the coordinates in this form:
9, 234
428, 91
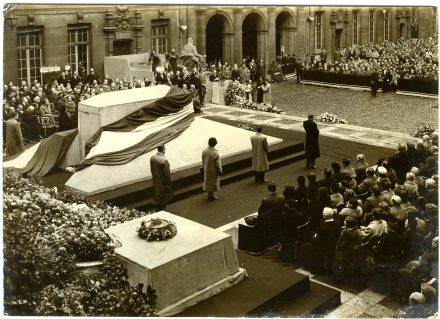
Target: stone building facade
56, 36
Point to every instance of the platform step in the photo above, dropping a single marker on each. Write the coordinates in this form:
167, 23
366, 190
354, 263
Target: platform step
232, 176
189, 182
271, 289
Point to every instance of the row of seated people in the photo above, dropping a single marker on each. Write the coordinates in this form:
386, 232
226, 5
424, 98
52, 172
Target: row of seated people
336, 227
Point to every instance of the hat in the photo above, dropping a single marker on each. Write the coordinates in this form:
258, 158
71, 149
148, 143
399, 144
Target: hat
382, 170
310, 116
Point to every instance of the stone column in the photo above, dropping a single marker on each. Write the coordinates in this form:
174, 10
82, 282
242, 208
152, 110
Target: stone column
271, 39
290, 40
228, 44
201, 33
238, 36
192, 25
261, 47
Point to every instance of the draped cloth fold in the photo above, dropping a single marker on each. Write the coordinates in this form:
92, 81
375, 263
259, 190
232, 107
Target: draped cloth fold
175, 102
148, 144
50, 151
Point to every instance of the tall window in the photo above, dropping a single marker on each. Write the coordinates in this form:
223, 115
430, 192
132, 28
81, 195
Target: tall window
386, 26
159, 36
29, 56
356, 27
318, 30
371, 27
78, 48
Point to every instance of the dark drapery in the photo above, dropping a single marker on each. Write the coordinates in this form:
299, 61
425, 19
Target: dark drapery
50, 152
172, 102
148, 144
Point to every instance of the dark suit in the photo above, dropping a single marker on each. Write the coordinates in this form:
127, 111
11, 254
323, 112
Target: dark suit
270, 203
311, 147
269, 217
160, 171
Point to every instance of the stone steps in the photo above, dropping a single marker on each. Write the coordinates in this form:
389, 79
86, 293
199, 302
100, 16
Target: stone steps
189, 182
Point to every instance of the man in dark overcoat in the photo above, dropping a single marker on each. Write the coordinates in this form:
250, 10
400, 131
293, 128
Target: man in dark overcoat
260, 149
160, 171
312, 142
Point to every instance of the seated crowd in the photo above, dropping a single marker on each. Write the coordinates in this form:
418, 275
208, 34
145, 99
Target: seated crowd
362, 220
403, 59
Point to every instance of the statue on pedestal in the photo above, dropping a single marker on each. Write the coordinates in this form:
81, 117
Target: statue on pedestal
190, 58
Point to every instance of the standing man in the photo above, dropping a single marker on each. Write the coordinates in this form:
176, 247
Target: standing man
14, 139
312, 142
173, 61
212, 169
160, 171
299, 71
260, 149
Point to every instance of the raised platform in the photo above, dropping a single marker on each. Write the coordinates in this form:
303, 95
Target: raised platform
188, 182
270, 290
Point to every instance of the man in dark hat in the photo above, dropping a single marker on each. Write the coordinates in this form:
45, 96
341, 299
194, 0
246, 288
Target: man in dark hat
311, 147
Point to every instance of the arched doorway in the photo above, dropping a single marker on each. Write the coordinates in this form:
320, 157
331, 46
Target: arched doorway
215, 29
250, 36
283, 23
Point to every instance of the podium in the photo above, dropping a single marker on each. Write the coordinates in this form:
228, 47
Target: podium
219, 92
190, 267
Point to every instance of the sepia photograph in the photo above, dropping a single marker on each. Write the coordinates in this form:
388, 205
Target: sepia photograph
220, 160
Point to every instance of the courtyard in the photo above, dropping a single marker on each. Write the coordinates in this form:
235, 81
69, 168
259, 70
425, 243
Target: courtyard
387, 111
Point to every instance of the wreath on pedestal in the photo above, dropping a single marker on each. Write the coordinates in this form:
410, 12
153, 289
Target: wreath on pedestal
157, 229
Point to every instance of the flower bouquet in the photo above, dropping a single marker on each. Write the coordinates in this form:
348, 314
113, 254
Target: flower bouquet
330, 118
233, 91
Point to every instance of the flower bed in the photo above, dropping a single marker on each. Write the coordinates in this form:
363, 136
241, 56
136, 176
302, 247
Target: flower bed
245, 104
45, 233
424, 130
330, 118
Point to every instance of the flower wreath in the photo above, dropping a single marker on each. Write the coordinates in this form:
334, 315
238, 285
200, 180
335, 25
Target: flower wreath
157, 229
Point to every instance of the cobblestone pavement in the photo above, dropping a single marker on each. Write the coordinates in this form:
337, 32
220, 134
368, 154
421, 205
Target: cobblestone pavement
361, 134
387, 111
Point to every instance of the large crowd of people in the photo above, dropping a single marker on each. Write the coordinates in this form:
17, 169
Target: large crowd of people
38, 106
403, 59
361, 220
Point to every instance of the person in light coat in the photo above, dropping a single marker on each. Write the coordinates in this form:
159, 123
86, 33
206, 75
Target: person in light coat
260, 149
160, 171
212, 169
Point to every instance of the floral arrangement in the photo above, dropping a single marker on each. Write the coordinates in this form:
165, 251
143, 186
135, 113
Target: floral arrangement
157, 229
241, 102
330, 118
245, 126
424, 130
45, 233
233, 91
